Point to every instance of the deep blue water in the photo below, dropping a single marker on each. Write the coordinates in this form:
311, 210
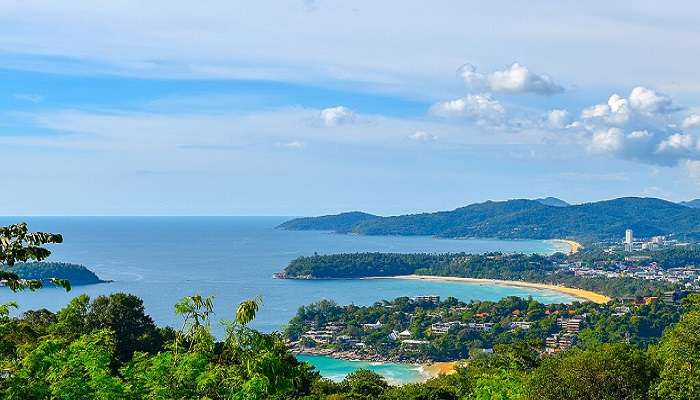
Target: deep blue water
162, 259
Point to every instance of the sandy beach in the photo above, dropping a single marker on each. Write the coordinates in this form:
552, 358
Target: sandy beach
435, 369
577, 293
574, 246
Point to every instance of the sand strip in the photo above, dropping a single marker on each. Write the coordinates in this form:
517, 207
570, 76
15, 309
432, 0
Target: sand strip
577, 293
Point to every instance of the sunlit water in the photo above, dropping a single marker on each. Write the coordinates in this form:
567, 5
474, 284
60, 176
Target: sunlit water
162, 259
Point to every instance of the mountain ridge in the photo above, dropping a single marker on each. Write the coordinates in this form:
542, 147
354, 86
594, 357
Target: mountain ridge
522, 219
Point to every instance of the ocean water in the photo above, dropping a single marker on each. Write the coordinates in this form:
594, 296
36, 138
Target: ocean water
336, 370
162, 259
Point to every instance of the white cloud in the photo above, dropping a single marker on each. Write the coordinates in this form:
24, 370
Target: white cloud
335, 116
558, 119
650, 102
691, 121
422, 136
477, 107
293, 145
515, 78
607, 141
642, 127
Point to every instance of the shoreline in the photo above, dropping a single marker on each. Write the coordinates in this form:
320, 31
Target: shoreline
574, 246
586, 295
427, 369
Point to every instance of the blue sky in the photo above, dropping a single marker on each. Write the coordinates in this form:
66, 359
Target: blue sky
312, 107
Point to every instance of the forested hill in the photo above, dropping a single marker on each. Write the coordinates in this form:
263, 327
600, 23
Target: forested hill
523, 219
76, 274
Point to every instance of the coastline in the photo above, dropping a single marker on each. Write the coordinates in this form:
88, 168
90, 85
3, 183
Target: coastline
427, 369
574, 246
577, 293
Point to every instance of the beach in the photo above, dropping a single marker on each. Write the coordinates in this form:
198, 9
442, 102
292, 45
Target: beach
574, 246
436, 369
577, 293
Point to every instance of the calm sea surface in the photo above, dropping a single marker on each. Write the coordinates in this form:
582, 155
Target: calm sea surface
162, 259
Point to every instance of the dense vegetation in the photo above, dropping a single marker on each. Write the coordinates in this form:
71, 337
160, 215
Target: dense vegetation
530, 268
109, 349
640, 325
524, 219
44, 271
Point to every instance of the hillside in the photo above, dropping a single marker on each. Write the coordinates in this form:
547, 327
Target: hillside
553, 201
691, 203
76, 274
523, 219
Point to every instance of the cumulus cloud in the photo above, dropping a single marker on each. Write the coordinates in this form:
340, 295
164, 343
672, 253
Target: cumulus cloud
642, 106
335, 116
691, 121
515, 78
477, 107
644, 126
558, 119
422, 136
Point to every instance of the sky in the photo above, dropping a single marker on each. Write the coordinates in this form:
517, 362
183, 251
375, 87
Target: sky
311, 107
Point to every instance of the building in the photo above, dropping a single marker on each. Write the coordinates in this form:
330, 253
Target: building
572, 325
557, 343
430, 299
441, 328
476, 326
629, 239
375, 325
404, 335
524, 325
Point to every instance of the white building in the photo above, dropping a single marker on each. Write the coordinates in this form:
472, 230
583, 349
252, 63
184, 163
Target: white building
629, 239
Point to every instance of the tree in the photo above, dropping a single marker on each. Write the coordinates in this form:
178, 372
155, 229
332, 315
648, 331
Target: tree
679, 356
364, 384
18, 244
124, 315
607, 372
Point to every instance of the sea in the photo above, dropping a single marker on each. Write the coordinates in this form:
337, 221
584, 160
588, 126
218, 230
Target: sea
162, 259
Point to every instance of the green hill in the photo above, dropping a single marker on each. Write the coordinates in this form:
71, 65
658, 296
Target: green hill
76, 274
523, 219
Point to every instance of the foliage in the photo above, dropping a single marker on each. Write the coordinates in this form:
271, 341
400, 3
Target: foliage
45, 271
607, 372
515, 347
17, 244
523, 267
679, 355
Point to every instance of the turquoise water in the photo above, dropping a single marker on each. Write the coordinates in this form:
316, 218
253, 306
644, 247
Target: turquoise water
162, 259
336, 370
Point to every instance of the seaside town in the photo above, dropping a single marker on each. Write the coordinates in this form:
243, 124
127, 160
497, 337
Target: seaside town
638, 263
423, 329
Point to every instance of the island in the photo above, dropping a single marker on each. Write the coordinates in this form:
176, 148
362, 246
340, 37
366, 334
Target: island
76, 274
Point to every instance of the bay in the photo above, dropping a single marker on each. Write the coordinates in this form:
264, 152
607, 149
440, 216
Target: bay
162, 259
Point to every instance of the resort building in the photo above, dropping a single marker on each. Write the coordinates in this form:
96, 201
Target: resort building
572, 325
431, 299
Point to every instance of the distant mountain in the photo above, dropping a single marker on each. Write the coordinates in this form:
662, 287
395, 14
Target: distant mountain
343, 223
523, 219
691, 203
553, 201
